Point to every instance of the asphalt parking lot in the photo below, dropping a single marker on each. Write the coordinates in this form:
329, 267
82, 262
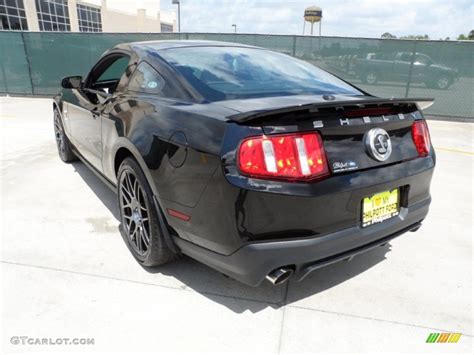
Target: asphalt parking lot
66, 272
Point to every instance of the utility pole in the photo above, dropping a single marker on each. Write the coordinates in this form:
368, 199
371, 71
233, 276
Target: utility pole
176, 2
235, 27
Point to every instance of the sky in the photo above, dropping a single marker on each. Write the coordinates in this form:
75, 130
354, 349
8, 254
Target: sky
361, 18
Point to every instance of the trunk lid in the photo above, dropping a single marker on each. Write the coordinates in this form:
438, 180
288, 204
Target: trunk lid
344, 123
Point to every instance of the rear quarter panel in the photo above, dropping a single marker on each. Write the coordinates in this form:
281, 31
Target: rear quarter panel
178, 148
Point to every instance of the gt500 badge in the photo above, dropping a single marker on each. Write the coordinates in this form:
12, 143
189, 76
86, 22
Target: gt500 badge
339, 166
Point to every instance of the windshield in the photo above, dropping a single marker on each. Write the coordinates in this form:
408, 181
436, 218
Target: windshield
224, 73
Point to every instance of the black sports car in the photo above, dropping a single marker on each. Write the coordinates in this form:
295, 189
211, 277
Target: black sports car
253, 162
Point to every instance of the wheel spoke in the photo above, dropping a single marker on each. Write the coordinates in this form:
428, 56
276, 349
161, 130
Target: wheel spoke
133, 233
136, 191
129, 226
129, 185
138, 239
141, 200
126, 201
126, 195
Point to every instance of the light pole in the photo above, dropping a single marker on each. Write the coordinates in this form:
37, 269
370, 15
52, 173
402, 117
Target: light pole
235, 27
176, 2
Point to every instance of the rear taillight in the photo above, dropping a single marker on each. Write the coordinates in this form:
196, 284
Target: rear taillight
288, 156
421, 137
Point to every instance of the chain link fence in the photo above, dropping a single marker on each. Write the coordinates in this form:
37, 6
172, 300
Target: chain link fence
33, 63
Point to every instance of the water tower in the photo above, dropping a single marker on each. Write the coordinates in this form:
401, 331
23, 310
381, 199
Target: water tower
313, 14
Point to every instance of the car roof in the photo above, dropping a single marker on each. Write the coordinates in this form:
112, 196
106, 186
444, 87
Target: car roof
167, 44
150, 50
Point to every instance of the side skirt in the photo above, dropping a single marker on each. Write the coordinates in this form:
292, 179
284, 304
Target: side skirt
106, 181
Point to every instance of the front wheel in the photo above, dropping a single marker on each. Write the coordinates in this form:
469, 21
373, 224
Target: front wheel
140, 225
443, 82
62, 142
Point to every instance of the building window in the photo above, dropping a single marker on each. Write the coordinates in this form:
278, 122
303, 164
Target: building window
89, 18
53, 15
166, 27
12, 15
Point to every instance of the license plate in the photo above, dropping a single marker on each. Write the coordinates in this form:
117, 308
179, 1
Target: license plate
380, 207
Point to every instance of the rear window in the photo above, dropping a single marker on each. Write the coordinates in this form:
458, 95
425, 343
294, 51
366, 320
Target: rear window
224, 73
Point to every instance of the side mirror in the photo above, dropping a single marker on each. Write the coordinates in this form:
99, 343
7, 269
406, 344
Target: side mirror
71, 82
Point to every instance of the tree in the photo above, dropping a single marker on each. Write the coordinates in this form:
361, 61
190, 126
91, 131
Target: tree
469, 37
415, 37
388, 35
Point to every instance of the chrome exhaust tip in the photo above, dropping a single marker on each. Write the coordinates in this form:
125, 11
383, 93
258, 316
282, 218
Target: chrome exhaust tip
280, 275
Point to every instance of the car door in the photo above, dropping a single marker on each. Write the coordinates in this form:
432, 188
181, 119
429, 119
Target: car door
401, 66
420, 67
85, 116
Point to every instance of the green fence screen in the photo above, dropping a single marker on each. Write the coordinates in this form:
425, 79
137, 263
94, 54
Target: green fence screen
33, 63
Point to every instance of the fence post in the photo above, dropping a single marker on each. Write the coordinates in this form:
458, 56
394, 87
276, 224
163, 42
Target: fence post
294, 46
27, 62
5, 81
413, 55
3, 69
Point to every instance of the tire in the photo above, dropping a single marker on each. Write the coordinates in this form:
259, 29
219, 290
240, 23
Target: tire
62, 142
442, 82
371, 78
140, 226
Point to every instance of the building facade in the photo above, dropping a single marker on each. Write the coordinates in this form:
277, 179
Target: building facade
79, 16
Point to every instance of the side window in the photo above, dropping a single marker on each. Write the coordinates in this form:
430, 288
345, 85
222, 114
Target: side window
405, 57
106, 74
146, 79
423, 59
115, 70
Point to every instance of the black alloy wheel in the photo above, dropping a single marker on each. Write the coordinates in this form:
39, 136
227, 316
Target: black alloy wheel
135, 212
140, 225
62, 142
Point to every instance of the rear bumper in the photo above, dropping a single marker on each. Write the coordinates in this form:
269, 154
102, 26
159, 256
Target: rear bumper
252, 262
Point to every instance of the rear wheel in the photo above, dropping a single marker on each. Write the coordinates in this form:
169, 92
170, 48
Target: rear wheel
140, 225
441, 82
371, 78
62, 142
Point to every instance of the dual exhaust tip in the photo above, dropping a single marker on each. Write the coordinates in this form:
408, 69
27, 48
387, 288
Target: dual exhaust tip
279, 276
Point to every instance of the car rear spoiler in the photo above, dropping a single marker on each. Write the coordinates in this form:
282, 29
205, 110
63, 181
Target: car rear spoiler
421, 103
